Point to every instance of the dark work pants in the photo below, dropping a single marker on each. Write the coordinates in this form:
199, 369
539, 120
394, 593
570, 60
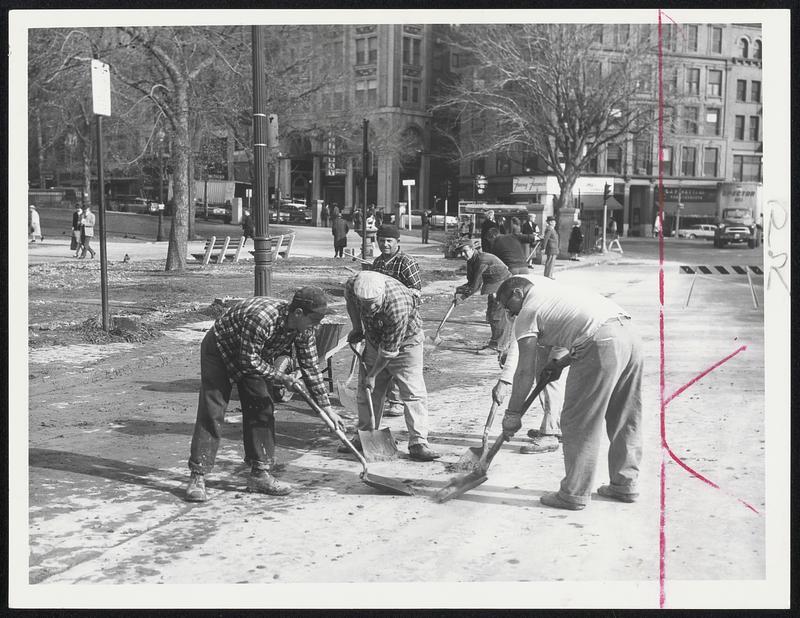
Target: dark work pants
258, 419
425, 232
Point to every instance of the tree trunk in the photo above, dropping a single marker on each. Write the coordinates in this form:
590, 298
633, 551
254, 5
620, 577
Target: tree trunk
564, 201
39, 150
178, 233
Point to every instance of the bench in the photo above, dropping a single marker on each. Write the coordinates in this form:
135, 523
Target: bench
221, 249
280, 245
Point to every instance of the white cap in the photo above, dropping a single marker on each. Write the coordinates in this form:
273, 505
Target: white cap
369, 285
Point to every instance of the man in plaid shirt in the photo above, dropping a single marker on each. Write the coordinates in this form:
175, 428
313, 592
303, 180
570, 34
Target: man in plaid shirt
386, 314
394, 262
241, 347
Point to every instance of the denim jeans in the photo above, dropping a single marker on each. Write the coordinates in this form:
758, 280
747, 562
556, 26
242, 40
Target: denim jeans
604, 387
405, 370
258, 419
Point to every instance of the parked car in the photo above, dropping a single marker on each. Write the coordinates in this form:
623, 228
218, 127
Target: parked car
702, 230
135, 204
273, 216
435, 220
298, 213
214, 212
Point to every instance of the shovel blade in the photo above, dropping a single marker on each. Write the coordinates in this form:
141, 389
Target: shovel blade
387, 485
471, 459
460, 485
378, 445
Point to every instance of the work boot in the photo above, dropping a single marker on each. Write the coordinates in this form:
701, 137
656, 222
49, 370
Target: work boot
355, 441
422, 452
395, 408
607, 492
263, 482
196, 490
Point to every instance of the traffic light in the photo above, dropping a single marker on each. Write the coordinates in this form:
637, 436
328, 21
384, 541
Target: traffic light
481, 183
606, 192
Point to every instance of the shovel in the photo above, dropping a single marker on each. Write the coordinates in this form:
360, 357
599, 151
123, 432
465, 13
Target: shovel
347, 390
378, 444
436, 338
474, 455
462, 484
384, 484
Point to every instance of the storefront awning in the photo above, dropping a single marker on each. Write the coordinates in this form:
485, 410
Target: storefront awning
595, 202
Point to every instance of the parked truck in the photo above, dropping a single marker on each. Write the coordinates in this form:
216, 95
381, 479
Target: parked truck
738, 214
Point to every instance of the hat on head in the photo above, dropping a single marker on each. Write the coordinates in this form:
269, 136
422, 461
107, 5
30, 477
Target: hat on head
550, 218
369, 285
463, 245
31, 206
312, 300
387, 230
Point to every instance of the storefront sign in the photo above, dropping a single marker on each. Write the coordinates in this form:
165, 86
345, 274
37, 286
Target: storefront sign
688, 194
533, 184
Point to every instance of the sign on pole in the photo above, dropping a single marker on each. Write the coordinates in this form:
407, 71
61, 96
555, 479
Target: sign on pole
101, 88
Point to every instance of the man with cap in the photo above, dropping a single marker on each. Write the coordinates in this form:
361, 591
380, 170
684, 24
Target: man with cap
394, 262
487, 224
550, 243
385, 314
241, 347
485, 273
604, 386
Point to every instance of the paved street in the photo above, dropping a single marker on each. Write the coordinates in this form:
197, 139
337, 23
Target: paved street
107, 480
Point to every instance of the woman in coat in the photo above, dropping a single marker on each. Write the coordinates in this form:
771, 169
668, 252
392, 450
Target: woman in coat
575, 241
339, 230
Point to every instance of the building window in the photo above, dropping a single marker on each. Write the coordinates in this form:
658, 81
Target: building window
714, 85
644, 80
367, 50
741, 90
738, 129
744, 48
502, 164
687, 160
623, 32
691, 41
367, 92
478, 166
757, 50
334, 54
666, 160
670, 119
710, 162
746, 168
693, 81
411, 50
529, 162
455, 60
672, 82
591, 163
614, 159
410, 91
642, 162
755, 92
754, 122
716, 40
593, 73
712, 121
597, 33
669, 36
690, 116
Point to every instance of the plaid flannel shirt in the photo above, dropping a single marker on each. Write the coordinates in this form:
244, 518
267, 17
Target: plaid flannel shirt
402, 267
253, 333
395, 324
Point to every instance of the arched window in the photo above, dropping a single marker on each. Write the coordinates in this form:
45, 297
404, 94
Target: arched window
744, 48
757, 50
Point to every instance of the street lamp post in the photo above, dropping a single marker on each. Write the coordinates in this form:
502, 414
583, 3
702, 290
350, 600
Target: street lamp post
160, 232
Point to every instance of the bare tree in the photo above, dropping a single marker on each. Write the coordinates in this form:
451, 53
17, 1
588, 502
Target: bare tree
553, 90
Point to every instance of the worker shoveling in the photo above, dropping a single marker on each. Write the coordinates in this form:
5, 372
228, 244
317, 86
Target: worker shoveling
378, 444
382, 483
348, 389
461, 484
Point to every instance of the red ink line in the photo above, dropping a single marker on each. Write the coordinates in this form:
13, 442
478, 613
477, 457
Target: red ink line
662, 538
702, 375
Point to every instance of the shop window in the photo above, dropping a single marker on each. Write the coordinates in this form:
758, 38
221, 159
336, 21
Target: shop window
693, 81
755, 92
714, 85
741, 90
712, 124
688, 160
710, 157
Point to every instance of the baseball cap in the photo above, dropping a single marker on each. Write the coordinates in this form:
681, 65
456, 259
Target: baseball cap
387, 230
312, 300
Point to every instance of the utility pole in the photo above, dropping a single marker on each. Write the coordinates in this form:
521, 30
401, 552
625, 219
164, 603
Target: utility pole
101, 106
262, 254
364, 156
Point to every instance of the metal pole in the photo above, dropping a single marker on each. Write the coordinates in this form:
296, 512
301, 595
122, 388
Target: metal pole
605, 223
262, 254
101, 212
278, 190
160, 233
364, 155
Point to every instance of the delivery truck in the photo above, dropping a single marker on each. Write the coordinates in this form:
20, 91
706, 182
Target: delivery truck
738, 213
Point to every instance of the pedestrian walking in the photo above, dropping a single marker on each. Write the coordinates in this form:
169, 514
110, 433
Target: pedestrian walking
75, 244
656, 226
485, 273
465, 227
612, 228
575, 241
550, 242
385, 314
248, 227
241, 347
425, 221
87, 231
324, 215
394, 262
603, 386
34, 226
339, 230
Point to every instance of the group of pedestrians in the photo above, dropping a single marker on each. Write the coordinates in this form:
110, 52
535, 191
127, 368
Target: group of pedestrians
83, 221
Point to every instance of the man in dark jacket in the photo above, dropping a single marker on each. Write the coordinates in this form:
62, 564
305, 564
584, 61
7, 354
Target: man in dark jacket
487, 224
425, 220
508, 247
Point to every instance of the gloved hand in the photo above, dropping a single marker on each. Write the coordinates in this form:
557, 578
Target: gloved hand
462, 291
354, 336
369, 382
551, 371
499, 391
335, 418
512, 423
